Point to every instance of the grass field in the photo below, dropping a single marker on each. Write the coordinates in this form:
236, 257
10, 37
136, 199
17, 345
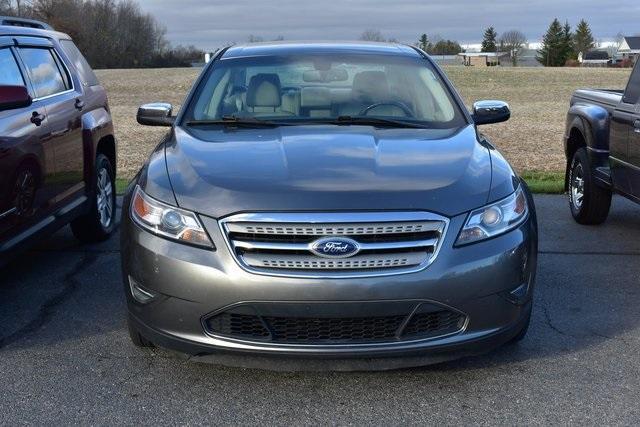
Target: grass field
531, 140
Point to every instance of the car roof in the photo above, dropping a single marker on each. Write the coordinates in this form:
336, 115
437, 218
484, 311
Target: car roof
12, 30
318, 47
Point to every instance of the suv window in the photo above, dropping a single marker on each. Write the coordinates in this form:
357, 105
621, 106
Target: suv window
10, 74
87, 76
632, 94
45, 71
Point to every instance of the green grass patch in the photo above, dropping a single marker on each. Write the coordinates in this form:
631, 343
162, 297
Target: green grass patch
121, 185
545, 182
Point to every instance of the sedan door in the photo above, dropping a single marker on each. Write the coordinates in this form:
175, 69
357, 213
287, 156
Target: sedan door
27, 191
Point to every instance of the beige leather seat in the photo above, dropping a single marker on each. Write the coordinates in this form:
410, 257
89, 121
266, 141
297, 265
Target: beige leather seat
369, 88
264, 95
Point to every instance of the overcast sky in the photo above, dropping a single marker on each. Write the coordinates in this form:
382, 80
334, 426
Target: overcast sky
211, 23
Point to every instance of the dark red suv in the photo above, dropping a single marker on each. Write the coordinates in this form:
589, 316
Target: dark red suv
57, 147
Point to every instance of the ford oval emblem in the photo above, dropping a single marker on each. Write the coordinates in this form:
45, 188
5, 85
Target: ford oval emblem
335, 247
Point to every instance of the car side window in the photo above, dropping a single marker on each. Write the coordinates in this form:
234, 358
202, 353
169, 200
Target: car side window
45, 71
632, 93
10, 74
87, 75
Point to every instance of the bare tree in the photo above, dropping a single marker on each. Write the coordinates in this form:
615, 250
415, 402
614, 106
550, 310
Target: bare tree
371, 35
619, 40
513, 41
255, 39
5, 7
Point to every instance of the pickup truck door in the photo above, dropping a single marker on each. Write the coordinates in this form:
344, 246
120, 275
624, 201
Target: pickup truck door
625, 139
632, 95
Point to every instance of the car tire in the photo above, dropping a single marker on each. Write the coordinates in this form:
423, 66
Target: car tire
136, 337
99, 222
589, 202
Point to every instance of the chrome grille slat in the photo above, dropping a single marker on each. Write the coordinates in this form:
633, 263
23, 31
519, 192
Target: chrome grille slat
310, 262
280, 244
345, 229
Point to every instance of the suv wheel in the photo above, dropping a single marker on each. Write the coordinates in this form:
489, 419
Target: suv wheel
99, 222
589, 203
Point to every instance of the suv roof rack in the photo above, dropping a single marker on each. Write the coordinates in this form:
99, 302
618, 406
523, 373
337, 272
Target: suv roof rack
24, 22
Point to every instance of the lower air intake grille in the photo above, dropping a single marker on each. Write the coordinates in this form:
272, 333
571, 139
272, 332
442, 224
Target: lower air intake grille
335, 330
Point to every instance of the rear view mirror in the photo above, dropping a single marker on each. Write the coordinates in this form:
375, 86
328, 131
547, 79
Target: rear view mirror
488, 112
156, 114
13, 97
321, 76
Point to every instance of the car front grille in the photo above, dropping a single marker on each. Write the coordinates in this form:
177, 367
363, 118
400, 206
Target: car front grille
280, 244
316, 330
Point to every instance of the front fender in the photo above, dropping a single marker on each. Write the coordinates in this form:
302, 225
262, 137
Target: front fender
592, 121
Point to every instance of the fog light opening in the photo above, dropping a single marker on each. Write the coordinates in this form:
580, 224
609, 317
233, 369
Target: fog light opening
141, 295
517, 296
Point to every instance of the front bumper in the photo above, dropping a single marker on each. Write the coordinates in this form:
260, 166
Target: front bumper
192, 283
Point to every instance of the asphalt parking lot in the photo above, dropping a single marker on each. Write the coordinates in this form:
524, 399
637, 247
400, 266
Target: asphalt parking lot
65, 356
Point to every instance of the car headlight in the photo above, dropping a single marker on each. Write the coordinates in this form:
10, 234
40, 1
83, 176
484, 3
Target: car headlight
168, 221
494, 219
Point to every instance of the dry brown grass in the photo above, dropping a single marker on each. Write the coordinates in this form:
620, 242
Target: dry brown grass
531, 140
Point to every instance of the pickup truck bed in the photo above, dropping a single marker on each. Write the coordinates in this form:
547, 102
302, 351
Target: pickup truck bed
602, 97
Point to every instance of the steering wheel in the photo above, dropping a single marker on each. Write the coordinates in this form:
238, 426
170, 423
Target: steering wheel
401, 105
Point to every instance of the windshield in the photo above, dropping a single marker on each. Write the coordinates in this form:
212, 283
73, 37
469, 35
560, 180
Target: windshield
321, 88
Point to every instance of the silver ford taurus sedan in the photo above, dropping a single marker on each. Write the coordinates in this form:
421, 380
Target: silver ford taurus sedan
327, 202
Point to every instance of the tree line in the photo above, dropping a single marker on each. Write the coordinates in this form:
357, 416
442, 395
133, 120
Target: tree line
560, 45
434, 46
110, 33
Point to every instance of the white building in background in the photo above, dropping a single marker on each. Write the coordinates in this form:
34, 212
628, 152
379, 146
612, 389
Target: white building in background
630, 48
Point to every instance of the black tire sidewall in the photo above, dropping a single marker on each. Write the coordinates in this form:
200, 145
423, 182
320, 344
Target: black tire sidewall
580, 157
103, 162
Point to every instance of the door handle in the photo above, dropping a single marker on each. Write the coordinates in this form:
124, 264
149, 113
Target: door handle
636, 126
37, 118
79, 104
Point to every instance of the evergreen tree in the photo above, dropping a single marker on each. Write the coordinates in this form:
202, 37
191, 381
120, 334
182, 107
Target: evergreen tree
568, 47
489, 40
424, 43
552, 52
446, 47
583, 39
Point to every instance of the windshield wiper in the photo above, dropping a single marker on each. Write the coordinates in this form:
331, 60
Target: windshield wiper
376, 121
237, 121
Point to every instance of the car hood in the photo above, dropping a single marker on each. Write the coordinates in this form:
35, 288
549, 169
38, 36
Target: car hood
218, 172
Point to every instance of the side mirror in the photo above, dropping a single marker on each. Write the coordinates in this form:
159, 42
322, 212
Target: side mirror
156, 114
13, 97
488, 112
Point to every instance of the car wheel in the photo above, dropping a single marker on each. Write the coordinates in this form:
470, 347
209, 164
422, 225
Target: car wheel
589, 202
97, 224
136, 338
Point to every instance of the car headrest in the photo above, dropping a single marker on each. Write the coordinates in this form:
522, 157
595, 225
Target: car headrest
370, 86
264, 91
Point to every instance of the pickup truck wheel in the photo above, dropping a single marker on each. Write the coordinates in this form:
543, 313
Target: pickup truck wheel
589, 203
97, 224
